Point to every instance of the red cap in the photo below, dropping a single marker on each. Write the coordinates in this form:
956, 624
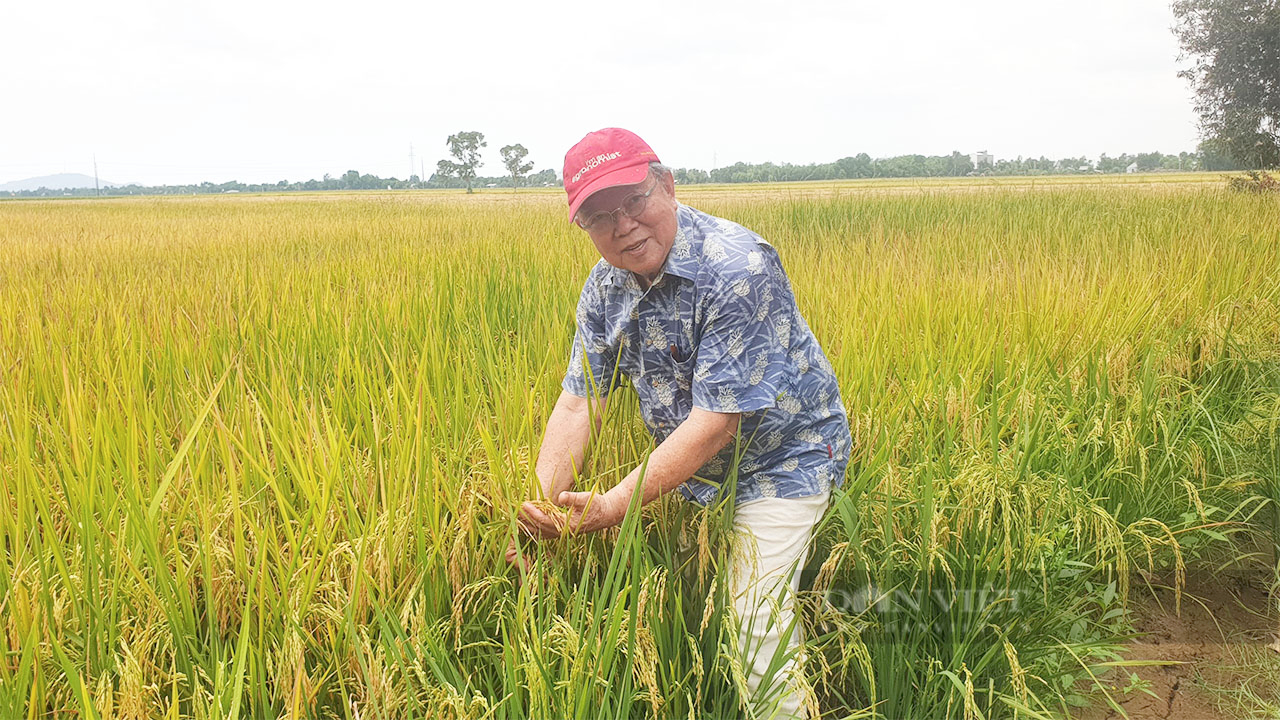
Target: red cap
603, 159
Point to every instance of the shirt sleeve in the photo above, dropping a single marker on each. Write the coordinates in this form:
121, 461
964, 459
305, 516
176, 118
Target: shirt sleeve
591, 360
742, 354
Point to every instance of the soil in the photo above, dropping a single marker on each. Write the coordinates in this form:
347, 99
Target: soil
1195, 648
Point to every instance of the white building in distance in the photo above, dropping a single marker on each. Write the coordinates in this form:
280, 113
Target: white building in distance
982, 157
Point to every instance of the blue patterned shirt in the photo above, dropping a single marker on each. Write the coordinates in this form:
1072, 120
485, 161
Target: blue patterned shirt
718, 330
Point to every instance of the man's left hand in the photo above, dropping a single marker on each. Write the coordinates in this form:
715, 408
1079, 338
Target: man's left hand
590, 511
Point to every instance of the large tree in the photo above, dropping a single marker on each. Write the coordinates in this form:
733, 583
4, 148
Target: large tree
465, 148
513, 157
1235, 49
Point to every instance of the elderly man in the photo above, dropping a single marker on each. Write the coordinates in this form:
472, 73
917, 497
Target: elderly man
698, 313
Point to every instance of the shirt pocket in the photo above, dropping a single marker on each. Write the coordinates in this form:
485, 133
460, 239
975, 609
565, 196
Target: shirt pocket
682, 358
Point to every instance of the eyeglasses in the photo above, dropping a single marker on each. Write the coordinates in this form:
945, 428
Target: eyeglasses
603, 221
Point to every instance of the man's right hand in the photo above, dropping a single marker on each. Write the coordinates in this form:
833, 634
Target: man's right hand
563, 450
539, 523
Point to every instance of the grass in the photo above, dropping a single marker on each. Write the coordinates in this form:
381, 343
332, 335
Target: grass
261, 454
1248, 686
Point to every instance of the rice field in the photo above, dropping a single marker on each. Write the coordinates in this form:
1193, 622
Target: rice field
261, 454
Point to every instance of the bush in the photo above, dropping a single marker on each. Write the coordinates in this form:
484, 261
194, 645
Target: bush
1254, 181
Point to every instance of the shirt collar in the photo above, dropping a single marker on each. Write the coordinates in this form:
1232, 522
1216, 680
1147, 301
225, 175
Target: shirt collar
682, 261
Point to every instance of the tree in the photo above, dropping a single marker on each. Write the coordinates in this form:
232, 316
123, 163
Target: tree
858, 166
512, 157
1214, 156
1236, 74
959, 164
543, 177
465, 147
1147, 161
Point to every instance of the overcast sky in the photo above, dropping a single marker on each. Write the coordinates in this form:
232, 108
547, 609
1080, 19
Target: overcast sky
174, 92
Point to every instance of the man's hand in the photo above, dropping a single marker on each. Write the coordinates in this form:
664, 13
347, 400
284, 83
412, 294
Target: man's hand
514, 557
543, 523
589, 511
563, 451
537, 523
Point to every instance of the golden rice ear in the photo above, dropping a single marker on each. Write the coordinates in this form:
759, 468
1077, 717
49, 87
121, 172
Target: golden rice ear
646, 660
1017, 675
826, 573
558, 514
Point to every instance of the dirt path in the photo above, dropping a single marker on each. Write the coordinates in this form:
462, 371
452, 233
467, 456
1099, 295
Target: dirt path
1224, 621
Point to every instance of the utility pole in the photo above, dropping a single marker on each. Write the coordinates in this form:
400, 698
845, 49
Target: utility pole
96, 189
411, 160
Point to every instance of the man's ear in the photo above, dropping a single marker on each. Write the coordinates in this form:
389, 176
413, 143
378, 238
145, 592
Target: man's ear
669, 183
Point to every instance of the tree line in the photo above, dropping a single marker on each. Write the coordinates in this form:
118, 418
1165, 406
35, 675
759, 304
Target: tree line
954, 165
350, 180
858, 166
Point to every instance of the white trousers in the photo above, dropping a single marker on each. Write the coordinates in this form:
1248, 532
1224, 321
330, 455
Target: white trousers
772, 538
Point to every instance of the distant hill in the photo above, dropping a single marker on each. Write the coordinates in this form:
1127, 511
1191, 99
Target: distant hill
61, 181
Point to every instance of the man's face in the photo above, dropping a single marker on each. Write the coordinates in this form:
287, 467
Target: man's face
639, 244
